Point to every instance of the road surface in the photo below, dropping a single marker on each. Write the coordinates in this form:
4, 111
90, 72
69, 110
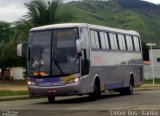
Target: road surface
82, 105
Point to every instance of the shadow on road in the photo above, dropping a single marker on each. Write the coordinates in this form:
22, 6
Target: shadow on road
83, 99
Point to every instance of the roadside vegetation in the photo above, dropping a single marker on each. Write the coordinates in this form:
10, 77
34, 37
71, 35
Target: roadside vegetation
12, 93
150, 81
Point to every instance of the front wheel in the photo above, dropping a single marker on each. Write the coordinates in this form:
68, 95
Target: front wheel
96, 93
51, 98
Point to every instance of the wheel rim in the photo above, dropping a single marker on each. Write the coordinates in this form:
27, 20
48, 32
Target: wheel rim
131, 87
95, 89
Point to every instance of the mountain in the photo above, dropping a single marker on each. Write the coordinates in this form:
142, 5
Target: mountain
125, 14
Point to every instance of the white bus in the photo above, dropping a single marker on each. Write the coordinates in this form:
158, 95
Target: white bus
79, 58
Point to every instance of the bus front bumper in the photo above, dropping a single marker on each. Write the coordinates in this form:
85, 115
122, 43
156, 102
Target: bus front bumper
68, 89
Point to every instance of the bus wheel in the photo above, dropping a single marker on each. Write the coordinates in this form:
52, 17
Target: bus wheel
51, 98
97, 93
128, 90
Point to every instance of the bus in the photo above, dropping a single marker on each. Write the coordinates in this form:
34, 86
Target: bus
79, 58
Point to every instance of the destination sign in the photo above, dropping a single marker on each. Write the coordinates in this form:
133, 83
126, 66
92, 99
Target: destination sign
64, 34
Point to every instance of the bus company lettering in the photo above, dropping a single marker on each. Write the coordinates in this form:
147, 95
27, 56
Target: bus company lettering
97, 60
118, 113
150, 113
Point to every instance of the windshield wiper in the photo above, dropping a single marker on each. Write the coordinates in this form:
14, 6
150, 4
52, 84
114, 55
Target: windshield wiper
59, 68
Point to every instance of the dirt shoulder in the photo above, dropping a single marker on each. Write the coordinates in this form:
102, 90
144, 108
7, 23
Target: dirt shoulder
13, 85
148, 87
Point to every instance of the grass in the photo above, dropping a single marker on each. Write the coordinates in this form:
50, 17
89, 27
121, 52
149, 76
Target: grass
13, 82
12, 93
150, 81
113, 14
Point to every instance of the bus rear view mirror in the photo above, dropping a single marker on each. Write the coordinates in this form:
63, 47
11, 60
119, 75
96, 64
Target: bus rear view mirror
78, 46
21, 49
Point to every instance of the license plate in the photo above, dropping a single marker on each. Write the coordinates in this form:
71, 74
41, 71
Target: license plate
39, 80
52, 91
44, 84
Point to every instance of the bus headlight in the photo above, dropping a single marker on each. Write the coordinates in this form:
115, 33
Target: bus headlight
75, 80
31, 83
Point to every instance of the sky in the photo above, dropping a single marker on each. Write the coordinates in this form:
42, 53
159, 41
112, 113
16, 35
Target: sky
12, 10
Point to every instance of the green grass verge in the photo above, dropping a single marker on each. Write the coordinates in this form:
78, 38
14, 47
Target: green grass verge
12, 93
150, 81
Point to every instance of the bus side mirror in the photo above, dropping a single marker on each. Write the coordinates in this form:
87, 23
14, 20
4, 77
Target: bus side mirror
21, 49
78, 46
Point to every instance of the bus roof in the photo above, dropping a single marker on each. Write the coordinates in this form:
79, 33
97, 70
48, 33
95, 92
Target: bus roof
68, 25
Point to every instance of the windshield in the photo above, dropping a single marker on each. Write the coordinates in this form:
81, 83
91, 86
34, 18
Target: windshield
52, 53
39, 49
64, 52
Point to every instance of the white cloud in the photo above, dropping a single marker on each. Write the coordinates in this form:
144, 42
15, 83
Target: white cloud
11, 13
12, 10
153, 1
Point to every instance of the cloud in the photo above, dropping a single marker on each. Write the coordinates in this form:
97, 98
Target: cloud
12, 10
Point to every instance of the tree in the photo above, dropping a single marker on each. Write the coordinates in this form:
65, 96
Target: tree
5, 31
42, 13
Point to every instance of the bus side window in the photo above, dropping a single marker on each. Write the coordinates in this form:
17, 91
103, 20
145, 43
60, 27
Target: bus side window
107, 40
121, 39
93, 41
113, 41
136, 43
97, 40
129, 43
133, 43
117, 42
104, 40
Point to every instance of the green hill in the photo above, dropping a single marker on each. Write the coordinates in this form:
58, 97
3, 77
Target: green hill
126, 14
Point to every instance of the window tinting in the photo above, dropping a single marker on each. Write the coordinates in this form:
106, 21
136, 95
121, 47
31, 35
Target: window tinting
107, 40
121, 40
158, 59
129, 43
136, 43
113, 41
93, 41
104, 40
97, 40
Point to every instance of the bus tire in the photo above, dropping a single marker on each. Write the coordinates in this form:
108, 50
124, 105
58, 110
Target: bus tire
128, 90
51, 98
96, 93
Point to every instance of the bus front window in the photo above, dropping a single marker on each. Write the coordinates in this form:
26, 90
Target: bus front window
64, 52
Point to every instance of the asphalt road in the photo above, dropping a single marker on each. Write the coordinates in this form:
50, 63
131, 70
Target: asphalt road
108, 104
